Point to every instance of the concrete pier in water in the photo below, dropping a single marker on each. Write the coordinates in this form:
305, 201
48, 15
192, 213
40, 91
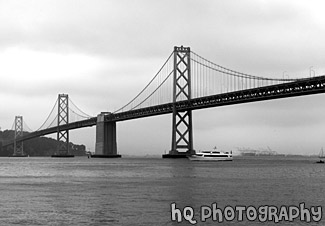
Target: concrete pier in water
106, 146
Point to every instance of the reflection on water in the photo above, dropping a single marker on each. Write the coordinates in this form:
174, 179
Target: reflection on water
139, 191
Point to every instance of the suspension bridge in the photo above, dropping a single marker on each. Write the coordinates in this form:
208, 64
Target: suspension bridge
185, 82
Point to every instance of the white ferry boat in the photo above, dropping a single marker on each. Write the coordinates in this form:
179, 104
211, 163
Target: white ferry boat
211, 156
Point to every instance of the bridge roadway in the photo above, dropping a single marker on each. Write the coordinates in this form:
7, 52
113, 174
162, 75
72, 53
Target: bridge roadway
314, 85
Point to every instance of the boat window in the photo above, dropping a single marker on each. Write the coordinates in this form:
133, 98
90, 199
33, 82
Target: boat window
216, 156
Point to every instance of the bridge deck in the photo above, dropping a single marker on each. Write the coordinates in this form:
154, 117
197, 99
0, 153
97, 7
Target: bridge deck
301, 87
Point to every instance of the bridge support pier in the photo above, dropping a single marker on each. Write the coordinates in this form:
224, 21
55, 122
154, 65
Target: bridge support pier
106, 146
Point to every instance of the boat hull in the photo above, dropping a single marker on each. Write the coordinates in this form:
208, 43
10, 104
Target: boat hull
212, 159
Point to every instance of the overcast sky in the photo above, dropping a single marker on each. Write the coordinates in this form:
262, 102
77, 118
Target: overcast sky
102, 53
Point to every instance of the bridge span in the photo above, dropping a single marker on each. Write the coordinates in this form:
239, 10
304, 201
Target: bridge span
182, 88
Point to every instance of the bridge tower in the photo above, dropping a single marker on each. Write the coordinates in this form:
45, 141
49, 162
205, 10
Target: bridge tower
63, 118
19, 130
182, 132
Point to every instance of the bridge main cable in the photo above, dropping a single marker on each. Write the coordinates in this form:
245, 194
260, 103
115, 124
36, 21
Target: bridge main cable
143, 90
236, 73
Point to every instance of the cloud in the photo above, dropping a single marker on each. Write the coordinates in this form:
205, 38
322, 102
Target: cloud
276, 34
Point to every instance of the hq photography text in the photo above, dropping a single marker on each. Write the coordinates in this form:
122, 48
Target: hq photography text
263, 213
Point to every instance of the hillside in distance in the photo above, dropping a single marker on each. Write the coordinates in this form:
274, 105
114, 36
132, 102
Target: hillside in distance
40, 146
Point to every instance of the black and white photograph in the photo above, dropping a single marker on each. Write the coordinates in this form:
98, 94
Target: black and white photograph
167, 113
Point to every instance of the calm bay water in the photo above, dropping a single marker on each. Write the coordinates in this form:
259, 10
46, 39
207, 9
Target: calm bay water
139, 191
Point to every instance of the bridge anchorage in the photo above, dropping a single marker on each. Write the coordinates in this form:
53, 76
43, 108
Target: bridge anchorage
106, 145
